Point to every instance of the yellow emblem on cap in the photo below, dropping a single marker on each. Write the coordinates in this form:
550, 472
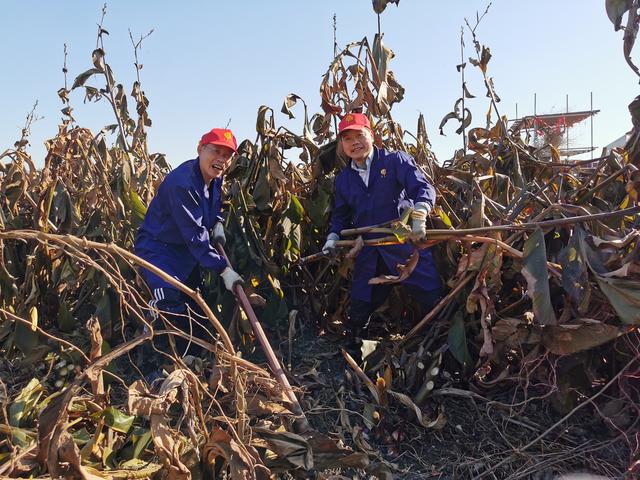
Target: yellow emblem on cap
349, 118
227, 135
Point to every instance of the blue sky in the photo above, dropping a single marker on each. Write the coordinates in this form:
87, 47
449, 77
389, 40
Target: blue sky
208, 61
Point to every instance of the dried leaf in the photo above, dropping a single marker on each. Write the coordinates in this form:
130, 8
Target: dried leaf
480, 296
576, 337
327, 453
168, 443
243, 462
261, 405
404, 271
98, 59
95, 377
466, 121
289, 101
438, 423
140, 401
380, 5
616, 9
467, 94
624, 294
83, 77
447, 117
289, 447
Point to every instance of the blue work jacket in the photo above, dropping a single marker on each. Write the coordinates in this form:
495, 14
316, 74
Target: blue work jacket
395, 182
175, 232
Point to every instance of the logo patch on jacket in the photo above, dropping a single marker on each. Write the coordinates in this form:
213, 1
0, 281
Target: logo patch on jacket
383, 172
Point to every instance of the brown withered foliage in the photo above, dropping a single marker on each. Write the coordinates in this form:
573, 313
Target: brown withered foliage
538, 331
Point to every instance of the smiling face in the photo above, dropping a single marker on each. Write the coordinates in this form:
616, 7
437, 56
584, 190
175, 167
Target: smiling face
214, 160
357, 144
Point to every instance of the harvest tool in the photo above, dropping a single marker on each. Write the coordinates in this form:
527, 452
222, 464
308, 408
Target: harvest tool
302, 423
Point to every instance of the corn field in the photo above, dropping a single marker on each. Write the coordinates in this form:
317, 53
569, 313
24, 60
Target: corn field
528, 365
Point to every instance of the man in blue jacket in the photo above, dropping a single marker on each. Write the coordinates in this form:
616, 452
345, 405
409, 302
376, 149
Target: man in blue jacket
177, 229
372, 189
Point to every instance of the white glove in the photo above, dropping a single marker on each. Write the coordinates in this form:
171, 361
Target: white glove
419, 219
329, 247
218, 234
231, 278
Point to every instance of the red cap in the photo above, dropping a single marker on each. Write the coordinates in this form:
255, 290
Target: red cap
354, 121
220, 136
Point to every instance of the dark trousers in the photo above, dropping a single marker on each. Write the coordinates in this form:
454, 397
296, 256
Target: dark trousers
360, 311
184, 314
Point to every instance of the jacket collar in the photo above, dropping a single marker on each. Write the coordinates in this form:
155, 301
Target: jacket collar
367, 162
374, 168
196, 173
